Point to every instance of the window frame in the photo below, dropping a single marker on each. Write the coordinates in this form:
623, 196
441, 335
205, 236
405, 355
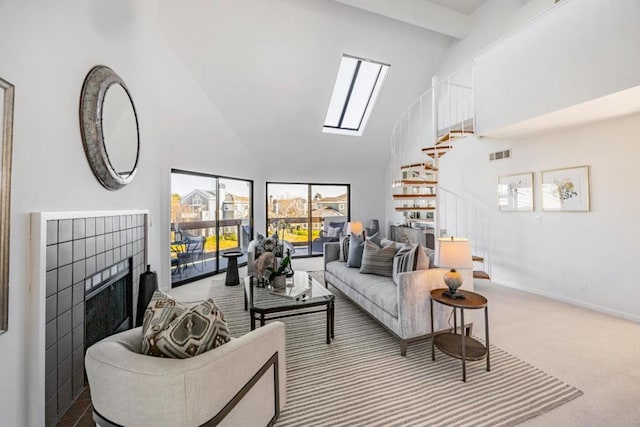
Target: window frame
373, 96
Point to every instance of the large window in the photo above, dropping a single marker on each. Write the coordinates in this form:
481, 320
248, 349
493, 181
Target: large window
210, 215
306, 211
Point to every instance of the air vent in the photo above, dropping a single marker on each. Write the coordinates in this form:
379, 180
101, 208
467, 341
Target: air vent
500, 155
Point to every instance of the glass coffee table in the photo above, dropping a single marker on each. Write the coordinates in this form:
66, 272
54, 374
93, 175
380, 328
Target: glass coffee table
303, 295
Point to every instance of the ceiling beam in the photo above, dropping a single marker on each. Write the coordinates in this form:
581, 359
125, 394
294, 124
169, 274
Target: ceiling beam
421, 13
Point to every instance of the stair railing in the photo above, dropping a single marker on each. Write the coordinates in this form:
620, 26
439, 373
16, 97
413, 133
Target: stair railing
463, 217
455, 102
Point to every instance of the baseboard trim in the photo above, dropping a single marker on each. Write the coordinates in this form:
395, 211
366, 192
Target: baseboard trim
568, 300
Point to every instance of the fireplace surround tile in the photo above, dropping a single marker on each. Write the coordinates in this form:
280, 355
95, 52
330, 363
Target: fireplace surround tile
52, 232
79, 228
99, 225
52, 308
52, 257
79, 271
52, 282
90, 227
90, 245
65, 277
77, 249
65, 230
65, 299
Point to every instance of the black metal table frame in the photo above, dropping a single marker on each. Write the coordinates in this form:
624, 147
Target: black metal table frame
462, 333
261, 314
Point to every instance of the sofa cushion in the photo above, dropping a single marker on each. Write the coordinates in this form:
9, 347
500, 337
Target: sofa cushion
380, 290
197, 330
377, 260
356, 249
161, 310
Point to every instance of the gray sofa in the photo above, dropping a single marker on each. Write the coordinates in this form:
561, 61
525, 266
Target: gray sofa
402, 309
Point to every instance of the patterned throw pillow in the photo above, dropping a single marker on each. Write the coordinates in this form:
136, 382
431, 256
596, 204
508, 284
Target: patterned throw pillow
377, 260
171, 329
161, 310
356, 248
199, 329
409, 258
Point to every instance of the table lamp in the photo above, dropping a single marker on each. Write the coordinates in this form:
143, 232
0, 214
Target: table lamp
354, 227
454, 253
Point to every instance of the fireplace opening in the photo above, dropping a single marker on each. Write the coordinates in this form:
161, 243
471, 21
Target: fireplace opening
108, 302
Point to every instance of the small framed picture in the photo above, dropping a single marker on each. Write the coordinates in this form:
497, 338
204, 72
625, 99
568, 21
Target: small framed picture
566, 190
515, 192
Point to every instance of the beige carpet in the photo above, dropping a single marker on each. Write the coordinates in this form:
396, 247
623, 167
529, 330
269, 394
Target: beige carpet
361, 379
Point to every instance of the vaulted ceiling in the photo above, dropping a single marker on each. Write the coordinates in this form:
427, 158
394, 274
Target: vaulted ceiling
269, 68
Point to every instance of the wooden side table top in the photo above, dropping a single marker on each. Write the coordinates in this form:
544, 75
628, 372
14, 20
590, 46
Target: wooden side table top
471, 300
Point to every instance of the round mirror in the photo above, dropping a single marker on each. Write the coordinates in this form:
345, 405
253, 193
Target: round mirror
109, 128
120, 130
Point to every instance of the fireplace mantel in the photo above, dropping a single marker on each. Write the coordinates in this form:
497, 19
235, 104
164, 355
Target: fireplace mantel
46, 266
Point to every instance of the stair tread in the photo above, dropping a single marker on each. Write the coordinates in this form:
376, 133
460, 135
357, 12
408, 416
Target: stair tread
437, 148
413, 165
404, 209
477, 274
413, 182
414, 196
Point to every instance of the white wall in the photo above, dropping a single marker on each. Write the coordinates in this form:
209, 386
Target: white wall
585, 258
582, 50
490, 22
47, 49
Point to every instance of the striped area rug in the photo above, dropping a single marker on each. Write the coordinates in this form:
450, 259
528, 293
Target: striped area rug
360, 379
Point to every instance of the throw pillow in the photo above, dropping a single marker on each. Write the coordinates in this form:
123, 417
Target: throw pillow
344, 248
431, 254
356, 248
409, 258
377, 239
377, 260
161, 310
334, 232
197, 330
341, 225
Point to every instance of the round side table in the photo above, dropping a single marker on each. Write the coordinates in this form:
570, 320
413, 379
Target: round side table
233, 277
459, 345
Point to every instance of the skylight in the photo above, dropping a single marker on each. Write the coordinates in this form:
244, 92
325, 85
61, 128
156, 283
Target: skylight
354, 95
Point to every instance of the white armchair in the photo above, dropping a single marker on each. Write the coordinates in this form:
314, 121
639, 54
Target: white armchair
242, 382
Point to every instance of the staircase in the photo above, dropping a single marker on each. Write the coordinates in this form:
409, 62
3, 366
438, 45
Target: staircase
416, 193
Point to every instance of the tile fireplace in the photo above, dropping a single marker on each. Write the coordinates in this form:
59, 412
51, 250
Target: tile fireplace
86, 275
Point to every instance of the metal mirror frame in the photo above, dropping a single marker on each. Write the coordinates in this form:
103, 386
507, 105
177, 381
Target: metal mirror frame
5, 201
94, 90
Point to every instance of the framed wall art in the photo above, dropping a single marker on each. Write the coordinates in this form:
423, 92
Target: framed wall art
515, 192
6, 138
566, 190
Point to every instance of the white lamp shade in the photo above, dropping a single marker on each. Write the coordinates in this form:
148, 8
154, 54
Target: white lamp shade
354, 227
455, 253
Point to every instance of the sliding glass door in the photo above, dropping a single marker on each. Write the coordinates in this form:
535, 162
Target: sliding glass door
210, 215
305, 211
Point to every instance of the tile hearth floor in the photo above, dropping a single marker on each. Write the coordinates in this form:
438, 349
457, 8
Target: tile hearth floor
79, 413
